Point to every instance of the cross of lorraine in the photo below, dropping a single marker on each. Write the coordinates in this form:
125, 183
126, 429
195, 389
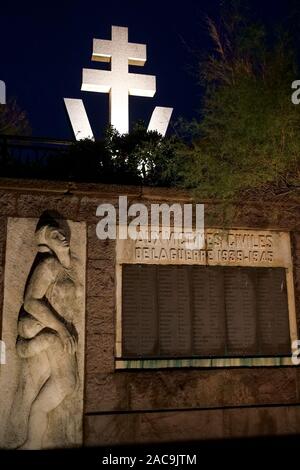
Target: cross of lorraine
119, 83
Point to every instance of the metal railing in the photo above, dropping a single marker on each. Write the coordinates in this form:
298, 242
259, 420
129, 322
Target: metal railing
22, 156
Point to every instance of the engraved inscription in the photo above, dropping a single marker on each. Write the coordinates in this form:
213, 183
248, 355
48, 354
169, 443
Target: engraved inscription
225, 248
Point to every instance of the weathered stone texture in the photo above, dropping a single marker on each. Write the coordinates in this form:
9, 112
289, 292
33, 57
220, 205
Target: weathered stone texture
179, 389
32, 205
198, 388
180, 426
111, 430
106, 392
100, 278
2, 238
153, 427
100, 355
250, 422
101, 314
88, 207
7, 203
100, 249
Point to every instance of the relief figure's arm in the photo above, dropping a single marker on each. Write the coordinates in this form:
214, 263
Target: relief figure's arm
36, 305
43, 313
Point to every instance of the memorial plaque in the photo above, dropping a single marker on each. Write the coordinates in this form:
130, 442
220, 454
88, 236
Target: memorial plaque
140, 311
174, 310
240, 311
272, 312
208, 311
229, 299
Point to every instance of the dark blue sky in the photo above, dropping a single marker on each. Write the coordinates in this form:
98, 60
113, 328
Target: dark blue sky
44, 48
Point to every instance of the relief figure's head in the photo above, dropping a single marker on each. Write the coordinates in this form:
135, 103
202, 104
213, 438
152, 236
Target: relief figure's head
53, 235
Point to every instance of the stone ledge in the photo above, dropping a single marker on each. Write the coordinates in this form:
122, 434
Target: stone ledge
142, 428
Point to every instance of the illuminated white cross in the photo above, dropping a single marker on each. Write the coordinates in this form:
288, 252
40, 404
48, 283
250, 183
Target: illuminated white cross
118, 82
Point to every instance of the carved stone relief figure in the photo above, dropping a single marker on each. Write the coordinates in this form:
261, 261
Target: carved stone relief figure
47, 338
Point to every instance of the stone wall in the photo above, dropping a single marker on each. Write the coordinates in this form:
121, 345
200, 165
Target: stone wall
159, 405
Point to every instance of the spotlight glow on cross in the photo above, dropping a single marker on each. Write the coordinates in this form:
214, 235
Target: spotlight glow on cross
118, 82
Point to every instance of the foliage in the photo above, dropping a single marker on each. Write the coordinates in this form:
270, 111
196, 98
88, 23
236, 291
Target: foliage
248, 139
13, 120
140, 157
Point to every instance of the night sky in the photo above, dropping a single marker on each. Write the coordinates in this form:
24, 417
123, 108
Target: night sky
44, 48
